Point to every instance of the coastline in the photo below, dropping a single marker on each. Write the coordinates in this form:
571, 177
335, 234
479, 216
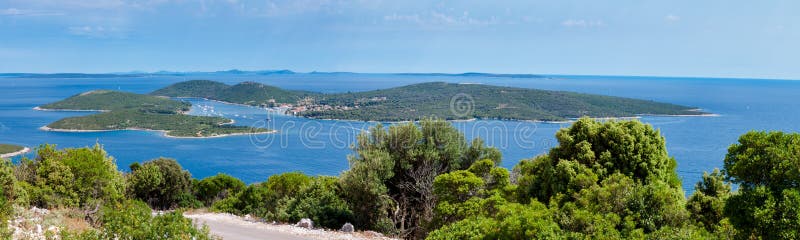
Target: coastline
681, 115
569, 120
13, 154
217, 136
37, 108
164, 133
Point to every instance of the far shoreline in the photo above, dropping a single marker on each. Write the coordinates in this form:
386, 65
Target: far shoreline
163, 133
567, 120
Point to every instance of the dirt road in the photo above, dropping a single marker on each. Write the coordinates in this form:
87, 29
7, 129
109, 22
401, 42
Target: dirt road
229, 226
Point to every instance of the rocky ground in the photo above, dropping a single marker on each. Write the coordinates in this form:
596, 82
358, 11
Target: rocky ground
37, 223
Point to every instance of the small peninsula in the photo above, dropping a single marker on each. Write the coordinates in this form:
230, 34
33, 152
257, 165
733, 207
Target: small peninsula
10, 150
449, 101
131, 111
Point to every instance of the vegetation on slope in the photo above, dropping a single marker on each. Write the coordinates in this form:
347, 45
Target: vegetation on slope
436, 99
249, 93
9, 148
113, 100
137, 111
176, 125
86, 183
466, 101
604, 180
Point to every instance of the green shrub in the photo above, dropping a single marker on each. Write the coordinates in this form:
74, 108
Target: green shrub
320, 201
707, 203
73, 177
263, 199
7, 195
132, 219
162, 183
217, 187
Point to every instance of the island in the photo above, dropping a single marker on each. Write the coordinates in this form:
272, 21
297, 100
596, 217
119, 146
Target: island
450, 101
10, 150
131, 111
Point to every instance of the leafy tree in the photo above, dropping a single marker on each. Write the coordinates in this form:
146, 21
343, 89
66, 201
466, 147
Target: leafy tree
766, 166
162, 183
707, 203
145, 182
648, 207
392, 173
217, 187
590, 151
473, 192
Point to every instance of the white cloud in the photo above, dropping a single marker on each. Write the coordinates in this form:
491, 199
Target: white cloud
413, 18
581, 23
437, 18
96, 32
25, 12
672, 18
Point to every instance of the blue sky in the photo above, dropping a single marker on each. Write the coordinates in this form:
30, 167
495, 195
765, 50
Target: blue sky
759, 39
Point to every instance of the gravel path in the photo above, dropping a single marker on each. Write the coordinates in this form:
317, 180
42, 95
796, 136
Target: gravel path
230, 226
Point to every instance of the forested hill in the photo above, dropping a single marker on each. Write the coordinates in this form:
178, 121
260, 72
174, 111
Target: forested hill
466, 101
113, 100
435, 99
250, 93
123, 110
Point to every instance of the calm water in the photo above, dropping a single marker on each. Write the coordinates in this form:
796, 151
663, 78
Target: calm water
321, 147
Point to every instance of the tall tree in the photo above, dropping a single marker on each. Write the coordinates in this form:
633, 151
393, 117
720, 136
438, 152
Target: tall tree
766, 165
390, 182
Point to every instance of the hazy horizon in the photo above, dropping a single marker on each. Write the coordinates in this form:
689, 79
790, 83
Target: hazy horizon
167, 72
720, 39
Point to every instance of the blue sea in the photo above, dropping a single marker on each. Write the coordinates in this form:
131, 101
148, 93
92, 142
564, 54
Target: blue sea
321, 147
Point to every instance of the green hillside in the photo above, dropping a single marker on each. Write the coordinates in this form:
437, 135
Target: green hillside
115, 100
435, 99
137, 111
250, 93
466, 101
176, 125
8, 148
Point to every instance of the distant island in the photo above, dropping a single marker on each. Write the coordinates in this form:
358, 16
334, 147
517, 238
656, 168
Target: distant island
130, 111
449, 101
10, 150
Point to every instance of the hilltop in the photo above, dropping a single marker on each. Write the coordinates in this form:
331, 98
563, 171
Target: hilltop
122, 110
106, 100
435, 99
250, 93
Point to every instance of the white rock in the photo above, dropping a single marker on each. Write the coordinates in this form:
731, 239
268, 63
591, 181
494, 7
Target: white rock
347, 227
305, 223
